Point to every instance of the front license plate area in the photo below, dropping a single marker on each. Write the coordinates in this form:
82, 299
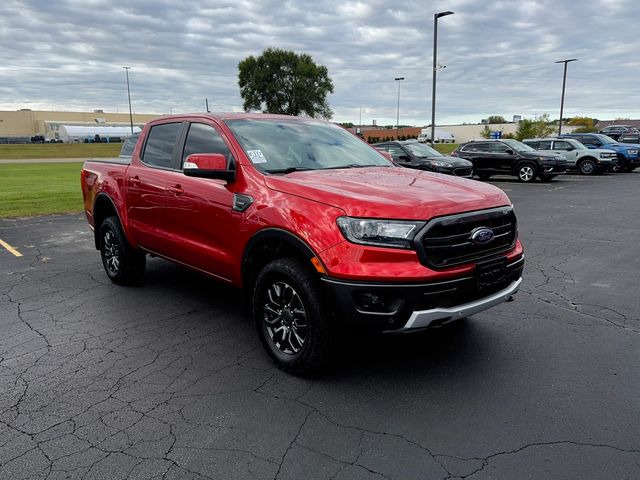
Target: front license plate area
491, 273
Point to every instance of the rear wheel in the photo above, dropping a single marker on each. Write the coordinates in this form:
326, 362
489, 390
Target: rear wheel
123, 264
629, 169
292, 323
484, 176
526, 172
587, 166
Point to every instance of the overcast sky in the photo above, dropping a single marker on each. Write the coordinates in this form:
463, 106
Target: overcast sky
499, 55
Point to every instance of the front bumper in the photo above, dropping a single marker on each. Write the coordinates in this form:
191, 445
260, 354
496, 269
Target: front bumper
389, 307
554, 168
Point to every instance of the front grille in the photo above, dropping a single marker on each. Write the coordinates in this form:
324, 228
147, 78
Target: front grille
446, 241
462, 172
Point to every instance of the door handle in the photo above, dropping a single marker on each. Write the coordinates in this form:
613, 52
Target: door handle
135, 181
177, 190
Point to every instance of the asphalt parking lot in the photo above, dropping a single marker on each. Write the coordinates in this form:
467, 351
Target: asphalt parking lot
168, 380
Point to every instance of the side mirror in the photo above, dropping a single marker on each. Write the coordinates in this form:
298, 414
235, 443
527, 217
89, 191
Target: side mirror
403, 157
208, 165
509, 152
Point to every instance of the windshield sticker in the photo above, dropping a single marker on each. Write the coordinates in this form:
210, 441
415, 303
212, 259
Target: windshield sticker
256, 156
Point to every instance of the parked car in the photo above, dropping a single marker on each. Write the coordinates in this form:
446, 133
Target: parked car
578, 157
616, 131
510, 157
628, 158
631, 137
319, 228
412, 154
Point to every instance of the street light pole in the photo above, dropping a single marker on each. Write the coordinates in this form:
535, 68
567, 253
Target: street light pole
398, 79
126, 69
564, 82
436, 16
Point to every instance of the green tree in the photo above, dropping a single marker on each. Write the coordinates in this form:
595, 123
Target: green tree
485, 132
539, 127
281, 81
496, 119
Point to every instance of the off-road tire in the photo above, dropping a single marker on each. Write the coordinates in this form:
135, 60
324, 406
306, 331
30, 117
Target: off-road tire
318, 349
588, 166
123, 264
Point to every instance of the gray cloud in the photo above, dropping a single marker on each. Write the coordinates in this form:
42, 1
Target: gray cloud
499, 54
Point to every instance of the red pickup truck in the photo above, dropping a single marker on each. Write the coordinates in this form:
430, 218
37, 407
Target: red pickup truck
318, 227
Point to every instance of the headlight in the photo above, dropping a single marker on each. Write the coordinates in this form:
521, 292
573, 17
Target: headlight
633, 152
383, 233
437, 163
606, 155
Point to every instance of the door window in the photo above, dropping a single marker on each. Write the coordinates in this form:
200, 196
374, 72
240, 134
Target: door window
499, 147
562, 146
204, 139
396, 152
478, 147
158, 151
544, 145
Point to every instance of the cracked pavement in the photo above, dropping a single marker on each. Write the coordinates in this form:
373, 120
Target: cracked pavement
168, 380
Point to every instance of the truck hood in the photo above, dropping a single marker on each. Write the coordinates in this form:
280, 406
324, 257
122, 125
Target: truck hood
621, 146
390, 192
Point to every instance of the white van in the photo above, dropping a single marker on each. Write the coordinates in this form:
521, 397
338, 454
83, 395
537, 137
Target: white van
441, 136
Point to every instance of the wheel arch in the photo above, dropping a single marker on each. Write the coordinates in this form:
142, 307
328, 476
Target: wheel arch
103, 207
268, 245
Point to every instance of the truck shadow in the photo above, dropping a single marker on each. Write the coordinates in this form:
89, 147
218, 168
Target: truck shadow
455, 346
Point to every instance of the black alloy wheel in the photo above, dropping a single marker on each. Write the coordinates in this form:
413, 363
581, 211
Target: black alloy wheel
123, 264
291, 320
587, 167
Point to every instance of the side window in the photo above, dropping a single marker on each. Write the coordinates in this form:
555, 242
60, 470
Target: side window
499, 147
590, 142
204, 139
480, 147
396, 152
158, 150
562, 146
532, 144
544, 145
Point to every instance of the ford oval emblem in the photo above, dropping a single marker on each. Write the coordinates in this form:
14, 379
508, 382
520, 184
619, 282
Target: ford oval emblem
481, 235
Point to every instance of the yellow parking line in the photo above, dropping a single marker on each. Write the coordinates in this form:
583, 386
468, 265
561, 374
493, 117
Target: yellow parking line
10, 248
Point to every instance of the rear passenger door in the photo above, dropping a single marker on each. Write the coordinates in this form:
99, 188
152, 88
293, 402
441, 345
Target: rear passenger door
148, 184
478, 154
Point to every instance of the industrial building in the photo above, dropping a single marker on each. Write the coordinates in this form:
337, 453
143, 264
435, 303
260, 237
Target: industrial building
20, 126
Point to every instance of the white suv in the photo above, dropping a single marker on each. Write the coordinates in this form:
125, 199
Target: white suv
586, 161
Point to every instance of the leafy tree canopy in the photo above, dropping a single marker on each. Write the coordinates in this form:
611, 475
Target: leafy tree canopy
496, 119
284, 82
539, 127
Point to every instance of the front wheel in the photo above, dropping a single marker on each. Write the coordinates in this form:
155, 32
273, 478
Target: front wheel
526, 173
123, 264
291, 321
587, 167
484, 176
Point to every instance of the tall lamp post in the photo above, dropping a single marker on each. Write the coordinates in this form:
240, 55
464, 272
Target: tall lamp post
398, 79
564, 82
126, 69
436, 16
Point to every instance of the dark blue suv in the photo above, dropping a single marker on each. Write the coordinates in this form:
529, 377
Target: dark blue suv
628, 158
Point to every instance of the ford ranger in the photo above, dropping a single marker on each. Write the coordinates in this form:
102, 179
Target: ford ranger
315, 225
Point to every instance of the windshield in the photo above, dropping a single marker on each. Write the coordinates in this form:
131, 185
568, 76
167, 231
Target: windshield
518, 146
604, 138
422, 150
282, 146
577, 145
